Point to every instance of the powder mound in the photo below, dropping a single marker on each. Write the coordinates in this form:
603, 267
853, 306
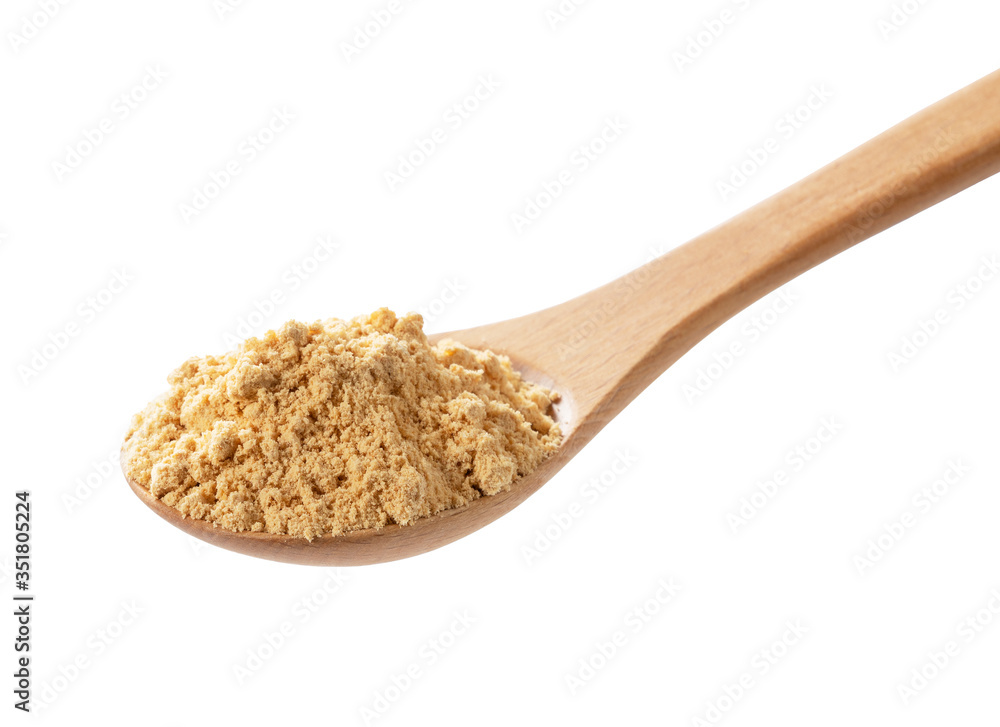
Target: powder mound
338, 426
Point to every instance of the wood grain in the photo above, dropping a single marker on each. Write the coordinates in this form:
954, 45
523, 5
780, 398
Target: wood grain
602, 349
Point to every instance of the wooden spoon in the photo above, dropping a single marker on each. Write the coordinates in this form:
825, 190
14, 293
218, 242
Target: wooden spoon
601, 349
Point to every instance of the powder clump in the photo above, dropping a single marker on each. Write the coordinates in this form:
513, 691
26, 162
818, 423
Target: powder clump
338, 426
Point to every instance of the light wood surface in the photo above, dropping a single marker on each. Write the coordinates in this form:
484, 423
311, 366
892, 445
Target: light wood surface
602, 349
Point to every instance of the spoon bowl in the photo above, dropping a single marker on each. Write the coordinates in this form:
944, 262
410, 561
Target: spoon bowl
600, 350
393, 542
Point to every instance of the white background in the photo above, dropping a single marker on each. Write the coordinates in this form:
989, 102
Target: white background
449, 224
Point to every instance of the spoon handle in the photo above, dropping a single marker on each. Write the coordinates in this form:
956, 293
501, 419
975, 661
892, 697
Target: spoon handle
614, 341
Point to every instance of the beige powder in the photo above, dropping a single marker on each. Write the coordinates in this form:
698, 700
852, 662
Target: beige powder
338, 426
